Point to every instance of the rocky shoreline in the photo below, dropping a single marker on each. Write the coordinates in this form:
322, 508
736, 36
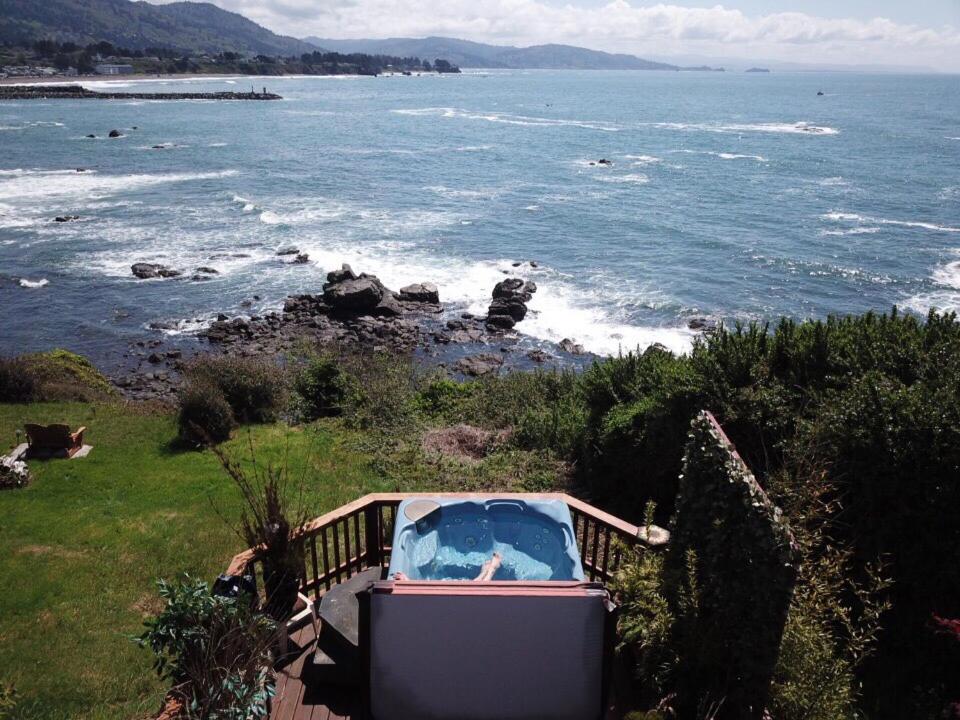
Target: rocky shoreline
77, 92
353, 312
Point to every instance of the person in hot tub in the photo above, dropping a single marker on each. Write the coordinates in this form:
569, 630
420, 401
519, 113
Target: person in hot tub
486, 571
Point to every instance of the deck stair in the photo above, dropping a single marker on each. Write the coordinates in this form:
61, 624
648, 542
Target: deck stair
337, 655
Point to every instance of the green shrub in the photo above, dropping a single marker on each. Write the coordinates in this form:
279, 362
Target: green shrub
17, 382
255, 388
204, 414
215, 650
442, 396
56, 375
321, 388
8, 701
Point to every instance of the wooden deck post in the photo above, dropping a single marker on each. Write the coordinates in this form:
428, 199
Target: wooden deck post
372, 539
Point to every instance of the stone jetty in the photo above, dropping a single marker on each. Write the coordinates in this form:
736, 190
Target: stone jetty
77, 92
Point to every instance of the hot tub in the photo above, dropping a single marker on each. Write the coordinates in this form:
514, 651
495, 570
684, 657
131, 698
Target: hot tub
451, 539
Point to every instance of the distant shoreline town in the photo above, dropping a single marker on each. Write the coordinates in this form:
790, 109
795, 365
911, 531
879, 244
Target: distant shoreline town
50, 60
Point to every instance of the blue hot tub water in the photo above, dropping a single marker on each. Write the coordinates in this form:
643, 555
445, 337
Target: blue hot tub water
534, 538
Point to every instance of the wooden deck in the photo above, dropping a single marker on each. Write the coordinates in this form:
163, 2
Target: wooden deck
296, 700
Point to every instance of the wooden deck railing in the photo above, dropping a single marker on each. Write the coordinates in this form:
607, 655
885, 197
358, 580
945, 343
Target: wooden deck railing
357, 536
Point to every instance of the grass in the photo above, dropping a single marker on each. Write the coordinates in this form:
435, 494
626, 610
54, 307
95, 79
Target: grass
82, 546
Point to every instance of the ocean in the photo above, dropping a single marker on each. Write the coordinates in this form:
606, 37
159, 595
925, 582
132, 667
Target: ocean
732, 196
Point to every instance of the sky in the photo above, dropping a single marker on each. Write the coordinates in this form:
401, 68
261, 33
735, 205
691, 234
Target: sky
921, 33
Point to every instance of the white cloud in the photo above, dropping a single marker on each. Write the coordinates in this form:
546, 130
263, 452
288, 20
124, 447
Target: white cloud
616, 26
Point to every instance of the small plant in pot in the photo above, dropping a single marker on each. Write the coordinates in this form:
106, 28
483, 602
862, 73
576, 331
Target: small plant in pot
272, 513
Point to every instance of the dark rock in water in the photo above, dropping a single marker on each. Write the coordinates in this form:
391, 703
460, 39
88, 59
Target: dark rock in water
420, 292
174, 354
514, 307
344, 273
204, 270
163, 325
362, 294
467, 316
703, 324
221, 317
533, 264
538, 355
154, 358
478, 365
604, 161
246, 303
66, 218
502, 322
509, 306
115, 134
92, 136
568, 345
146, 271
517, 264
301, 259
288, 251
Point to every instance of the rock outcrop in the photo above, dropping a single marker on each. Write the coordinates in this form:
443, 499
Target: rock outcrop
147, 271
509, 306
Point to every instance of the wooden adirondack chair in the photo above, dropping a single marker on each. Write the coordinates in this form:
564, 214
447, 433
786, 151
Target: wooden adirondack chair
53, 440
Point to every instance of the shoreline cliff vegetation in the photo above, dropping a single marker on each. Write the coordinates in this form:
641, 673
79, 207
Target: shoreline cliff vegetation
851, 425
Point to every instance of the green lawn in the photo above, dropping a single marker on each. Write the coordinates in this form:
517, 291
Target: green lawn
80, 547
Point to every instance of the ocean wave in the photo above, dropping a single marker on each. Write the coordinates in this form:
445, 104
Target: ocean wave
643, 159
797, 128
25, 283
89, 185
947, 296
867, 230
629, 178
508, 118
560, 308
836, 216
453, 193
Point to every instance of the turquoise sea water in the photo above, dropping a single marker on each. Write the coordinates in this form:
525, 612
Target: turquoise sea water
739, 196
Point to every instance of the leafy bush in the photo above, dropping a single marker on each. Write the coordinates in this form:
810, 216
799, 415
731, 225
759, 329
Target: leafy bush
8, 701
17, 382
51, 376
321, 387
442, 397
255, 388
205, 415
215, 651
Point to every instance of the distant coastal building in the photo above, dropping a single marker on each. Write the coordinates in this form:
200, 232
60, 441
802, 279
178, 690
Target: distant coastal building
112, 69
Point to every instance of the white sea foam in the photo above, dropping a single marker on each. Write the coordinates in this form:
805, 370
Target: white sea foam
25, 283
853, 217
453, 193
508, 118
722, 155
797, 128
632, 178
866, 230
947, 295
34, 185
643, 159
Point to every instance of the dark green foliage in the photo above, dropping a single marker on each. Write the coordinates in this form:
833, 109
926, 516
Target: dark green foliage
731, 543
17, 383
254, 388
51, 376
321, 388
877, 397
442, 396
638, 411
204, 415
215, 651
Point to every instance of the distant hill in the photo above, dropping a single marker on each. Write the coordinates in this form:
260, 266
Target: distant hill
137, 25
472, 54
